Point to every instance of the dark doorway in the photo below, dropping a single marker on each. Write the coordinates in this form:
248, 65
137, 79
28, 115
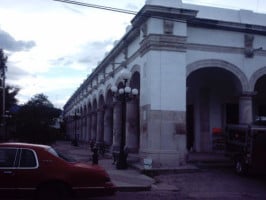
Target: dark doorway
190, 126
232, 112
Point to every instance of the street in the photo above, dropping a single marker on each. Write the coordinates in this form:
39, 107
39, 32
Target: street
207, 184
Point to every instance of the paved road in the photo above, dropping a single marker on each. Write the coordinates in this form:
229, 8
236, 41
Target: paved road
210, 184
218, 184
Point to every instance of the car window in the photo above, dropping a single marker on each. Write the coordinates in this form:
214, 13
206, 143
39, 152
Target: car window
61, 155
27, 159
7, 157
52, 151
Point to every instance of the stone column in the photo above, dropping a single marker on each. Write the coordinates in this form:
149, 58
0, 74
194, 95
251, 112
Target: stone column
245, 108
89, 127
108, 126
85, 128
81, 128
132, 126
117, 114
100, 124
78, 127
71, 129
93, 126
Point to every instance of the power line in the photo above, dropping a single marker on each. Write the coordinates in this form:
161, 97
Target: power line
99, 7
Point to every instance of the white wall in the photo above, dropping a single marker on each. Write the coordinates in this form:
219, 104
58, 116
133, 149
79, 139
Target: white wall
166, 78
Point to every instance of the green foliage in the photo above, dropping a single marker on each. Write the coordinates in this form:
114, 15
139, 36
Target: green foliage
10, 97
35, 120
3, 60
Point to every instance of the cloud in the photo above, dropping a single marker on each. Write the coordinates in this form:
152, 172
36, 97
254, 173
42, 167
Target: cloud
8, 43
54, 46
15, 73
89, 55
132, 6
93, 52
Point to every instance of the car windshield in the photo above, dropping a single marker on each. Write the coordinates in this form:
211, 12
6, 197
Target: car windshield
61, 155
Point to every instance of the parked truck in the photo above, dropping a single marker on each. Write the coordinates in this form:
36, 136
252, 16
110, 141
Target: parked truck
246, 145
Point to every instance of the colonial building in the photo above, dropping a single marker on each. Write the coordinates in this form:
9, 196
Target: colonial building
196, 68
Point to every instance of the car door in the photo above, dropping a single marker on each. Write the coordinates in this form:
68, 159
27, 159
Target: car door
8, 160
27, 172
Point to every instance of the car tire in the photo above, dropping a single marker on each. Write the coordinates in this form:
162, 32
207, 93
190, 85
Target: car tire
240, 166
53, 191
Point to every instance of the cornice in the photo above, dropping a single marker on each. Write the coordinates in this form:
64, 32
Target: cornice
171, 13
180, 44
228, 26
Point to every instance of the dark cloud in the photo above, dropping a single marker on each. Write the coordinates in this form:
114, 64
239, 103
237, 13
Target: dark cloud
14, 73
7, 42
94, 52
90, 53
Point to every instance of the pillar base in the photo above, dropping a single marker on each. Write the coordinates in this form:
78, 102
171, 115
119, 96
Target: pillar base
165, 158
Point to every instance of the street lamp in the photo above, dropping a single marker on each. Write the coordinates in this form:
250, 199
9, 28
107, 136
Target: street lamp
123, 94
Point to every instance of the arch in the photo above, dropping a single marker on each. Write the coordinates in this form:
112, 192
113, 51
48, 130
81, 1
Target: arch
101, 100
212, 100
108, 94
133, 119
221, 64
84, 109
135, 68
109, 97
255, 77
89, 107
94, 104
135, 80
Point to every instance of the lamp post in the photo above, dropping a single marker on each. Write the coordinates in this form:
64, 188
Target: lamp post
123, 94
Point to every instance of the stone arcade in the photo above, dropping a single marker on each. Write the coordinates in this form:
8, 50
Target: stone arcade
197, 69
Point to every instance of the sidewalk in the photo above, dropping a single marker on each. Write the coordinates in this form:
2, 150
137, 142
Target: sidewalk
125, 180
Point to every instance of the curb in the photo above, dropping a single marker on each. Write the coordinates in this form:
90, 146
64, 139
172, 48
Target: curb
133, 188
157, 171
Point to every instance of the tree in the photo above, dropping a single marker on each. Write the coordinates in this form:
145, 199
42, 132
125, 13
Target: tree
3, 68
35, 120
10, 97
3, 60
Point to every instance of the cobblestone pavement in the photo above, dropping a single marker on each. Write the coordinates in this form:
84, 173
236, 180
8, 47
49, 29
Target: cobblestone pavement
217, 184
210, 184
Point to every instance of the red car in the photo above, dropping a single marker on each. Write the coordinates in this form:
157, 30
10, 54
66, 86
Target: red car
41, 171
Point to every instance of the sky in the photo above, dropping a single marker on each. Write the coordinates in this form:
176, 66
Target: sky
52, 46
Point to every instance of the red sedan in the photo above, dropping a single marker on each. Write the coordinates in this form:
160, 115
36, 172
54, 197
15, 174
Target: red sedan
40, 170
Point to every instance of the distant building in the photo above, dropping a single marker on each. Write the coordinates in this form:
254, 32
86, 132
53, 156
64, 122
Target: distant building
197, 69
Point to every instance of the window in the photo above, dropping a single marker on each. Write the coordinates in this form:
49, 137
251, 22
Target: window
7, 157
61, 155
27, 159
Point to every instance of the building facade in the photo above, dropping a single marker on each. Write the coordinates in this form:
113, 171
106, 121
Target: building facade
197, 69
